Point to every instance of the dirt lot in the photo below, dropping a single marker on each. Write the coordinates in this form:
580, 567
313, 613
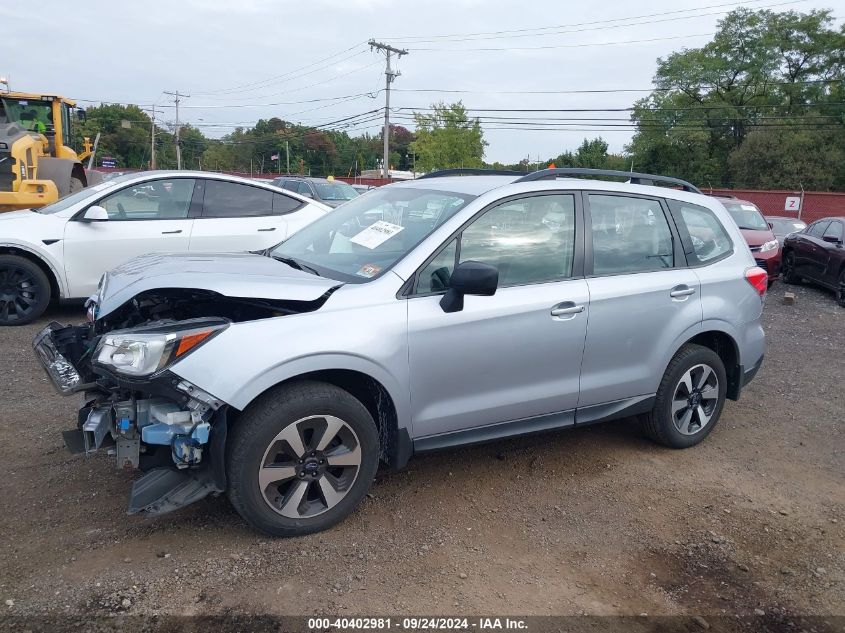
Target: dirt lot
589, 521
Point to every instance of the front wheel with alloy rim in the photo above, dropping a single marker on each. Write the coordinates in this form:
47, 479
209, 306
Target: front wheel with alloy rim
689, 399
24, 290
788, 269
301, 458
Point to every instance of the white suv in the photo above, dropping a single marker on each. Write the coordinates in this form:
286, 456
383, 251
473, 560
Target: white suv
62, 250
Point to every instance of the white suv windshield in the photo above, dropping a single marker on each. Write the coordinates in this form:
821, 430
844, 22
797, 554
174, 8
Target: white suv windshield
367, 235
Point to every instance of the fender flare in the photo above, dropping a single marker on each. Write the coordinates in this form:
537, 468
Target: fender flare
51, 264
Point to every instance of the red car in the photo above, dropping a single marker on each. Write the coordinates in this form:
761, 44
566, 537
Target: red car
817, 254
757, 233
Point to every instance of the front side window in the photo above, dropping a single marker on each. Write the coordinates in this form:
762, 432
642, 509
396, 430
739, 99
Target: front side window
630, 235
708, 237
369, 234
817, 229
528, 240
834, 231
747, 216
151, 200
235, 200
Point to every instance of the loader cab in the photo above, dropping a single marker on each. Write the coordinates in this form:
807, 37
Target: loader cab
47, 115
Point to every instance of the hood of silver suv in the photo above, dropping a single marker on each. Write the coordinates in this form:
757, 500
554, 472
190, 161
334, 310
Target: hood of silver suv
231, 274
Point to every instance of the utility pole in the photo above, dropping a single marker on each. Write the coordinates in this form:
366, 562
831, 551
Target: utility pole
153, 140
389, 75
176, 98
287, 156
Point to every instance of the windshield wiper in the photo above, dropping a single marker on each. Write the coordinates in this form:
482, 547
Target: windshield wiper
290, 261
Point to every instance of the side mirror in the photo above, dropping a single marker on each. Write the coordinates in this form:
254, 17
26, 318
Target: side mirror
469, 278
771, 226
832, 239
95, 214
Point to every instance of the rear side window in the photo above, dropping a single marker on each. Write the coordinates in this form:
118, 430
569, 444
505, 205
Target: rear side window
708, 239
234, 200
630, 235
284, 204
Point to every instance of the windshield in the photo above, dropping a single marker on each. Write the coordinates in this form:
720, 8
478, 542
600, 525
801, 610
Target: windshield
335, 191
365, 237
787, 225
33, 115
747, 216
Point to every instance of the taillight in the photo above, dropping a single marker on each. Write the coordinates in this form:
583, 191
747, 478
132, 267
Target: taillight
758, 278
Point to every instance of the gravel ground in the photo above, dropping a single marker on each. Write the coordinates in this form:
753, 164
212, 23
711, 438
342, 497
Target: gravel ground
592, 521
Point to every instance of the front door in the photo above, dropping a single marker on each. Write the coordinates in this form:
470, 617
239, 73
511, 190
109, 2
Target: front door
148, 217
640, 302
514, 355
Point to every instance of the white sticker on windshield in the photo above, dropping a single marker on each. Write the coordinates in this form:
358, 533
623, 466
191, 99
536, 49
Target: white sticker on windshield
748, 207
376, 234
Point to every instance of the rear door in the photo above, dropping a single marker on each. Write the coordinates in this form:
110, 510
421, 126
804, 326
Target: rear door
147, 217
238, 217
642, 298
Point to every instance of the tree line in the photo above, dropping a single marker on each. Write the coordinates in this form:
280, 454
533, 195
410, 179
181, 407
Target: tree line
762, 105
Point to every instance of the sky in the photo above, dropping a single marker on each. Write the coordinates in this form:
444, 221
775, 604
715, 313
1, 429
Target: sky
308, 62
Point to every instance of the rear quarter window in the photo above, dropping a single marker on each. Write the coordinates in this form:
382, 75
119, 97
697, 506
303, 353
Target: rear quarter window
706, 238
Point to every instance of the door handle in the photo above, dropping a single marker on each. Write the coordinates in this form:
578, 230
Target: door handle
270, 229
566, 308
171, 232
681, 291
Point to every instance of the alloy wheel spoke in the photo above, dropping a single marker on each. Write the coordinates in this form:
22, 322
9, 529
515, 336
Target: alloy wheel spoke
705, 376
274, 474
709, 393
347, 458
683, 425
295, 497
330, 495
333, 427
290, 434
686, 381
678, 405
703, 418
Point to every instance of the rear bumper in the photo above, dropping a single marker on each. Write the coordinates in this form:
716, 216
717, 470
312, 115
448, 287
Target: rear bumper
749, 374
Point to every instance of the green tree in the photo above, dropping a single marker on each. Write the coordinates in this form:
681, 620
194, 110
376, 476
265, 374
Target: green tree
763, 71
447, 138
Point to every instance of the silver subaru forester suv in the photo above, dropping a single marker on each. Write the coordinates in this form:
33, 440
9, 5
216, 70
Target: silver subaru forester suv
435, 313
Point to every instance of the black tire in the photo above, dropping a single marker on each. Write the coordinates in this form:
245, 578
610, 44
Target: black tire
257, 430
75, 185
788, 269
24, 290
659, 424
840, 289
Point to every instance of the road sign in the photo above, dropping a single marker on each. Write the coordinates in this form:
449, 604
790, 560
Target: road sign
793, 203
108, 161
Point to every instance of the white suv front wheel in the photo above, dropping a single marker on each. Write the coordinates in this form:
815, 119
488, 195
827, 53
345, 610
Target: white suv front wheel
301, 458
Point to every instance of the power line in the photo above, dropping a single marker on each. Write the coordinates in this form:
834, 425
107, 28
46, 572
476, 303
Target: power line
554, 46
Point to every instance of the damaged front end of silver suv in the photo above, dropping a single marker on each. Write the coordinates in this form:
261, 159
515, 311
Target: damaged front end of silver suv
132, 405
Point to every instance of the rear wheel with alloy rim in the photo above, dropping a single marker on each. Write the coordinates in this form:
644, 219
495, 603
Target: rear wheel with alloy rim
24, 290
301, 459
689, 400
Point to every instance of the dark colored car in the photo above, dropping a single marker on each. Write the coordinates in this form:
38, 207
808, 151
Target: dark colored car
817, 255
782, 226
761, 240
331, 192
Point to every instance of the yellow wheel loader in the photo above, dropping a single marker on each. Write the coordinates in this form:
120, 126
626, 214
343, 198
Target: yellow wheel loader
37, 164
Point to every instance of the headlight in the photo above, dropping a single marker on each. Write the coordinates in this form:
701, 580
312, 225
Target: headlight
769, 246
145, 351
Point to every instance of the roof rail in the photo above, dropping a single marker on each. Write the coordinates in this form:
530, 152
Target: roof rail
471, 171
635, 177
